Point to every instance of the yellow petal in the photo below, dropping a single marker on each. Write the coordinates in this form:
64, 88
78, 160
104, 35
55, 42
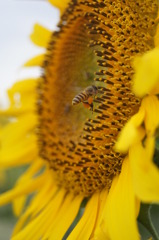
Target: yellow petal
25, 85
21, 153
65, 217
14, 132
151, 106
155, 91
32, 170
18, 191
119, 218
18, 203
146, 73
35, 61
41, 200
38, 226
13, 112
22, 96
86, 224
102, 201
145, 173
99, 232
44, 196
60, 4
40, 35
131, 133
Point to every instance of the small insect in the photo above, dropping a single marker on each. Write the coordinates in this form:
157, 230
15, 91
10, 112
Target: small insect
86, 97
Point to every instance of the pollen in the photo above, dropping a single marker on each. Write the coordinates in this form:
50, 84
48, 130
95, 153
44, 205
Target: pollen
94, 45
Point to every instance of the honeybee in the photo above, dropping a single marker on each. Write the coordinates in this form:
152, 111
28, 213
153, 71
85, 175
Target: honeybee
86, 97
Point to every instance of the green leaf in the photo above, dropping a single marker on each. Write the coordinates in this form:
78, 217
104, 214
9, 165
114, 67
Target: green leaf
149, 218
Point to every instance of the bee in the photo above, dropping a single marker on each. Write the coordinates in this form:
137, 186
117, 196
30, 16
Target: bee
86, 97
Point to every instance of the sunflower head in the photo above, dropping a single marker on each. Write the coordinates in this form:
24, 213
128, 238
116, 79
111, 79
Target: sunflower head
95, 45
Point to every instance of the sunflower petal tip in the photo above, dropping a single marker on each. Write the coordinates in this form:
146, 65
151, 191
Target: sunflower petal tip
120, 147
146, 75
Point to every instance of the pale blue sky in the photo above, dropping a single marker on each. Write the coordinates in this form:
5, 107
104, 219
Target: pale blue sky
16, 23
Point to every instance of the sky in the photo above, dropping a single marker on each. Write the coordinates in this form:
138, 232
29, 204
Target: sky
17, 18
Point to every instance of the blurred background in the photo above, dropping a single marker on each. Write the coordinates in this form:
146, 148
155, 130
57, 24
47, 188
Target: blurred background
17, 18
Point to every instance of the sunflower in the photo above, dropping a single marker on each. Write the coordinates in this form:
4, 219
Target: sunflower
88, 170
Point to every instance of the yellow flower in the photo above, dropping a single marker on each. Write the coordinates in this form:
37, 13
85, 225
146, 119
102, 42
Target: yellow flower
139, 134
83, 188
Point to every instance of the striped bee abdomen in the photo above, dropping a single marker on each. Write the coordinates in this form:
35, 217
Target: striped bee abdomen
80, 98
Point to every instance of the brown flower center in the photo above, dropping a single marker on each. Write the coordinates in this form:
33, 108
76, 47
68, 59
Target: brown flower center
95, 45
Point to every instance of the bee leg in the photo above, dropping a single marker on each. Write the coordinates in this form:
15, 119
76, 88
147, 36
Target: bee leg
86, 104
91, 106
